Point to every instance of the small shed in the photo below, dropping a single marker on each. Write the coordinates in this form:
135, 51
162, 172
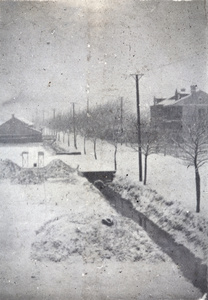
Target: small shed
17, 131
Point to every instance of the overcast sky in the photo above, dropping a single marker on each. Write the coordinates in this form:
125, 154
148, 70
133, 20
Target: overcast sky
54, 53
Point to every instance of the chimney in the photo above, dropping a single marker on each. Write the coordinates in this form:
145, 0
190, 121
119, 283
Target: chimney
12, 116
177, 95
193, 88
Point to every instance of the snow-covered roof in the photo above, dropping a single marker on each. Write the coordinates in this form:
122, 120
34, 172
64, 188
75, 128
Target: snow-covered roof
29, 123
167, 102
198, 97
170, 101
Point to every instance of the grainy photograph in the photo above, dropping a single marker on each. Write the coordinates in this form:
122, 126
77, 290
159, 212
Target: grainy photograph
103, 150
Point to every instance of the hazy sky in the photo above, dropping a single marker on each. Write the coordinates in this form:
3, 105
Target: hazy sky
53, 53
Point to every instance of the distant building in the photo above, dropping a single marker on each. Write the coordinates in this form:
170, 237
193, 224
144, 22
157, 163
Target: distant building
17, 131
169, 114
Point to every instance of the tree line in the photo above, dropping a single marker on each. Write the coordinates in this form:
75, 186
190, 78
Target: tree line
108, 122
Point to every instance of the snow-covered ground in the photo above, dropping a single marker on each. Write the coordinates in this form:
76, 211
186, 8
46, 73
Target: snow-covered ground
169, 176
30, 208
14, 153
85, 162
49, 216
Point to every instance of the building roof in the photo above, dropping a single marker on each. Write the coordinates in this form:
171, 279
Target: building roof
197, 97
16, 127
29, 123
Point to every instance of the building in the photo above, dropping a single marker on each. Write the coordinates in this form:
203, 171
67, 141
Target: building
18, 131
170, 114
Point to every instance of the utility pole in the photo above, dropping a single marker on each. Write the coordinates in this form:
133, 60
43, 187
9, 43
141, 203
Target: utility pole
43, 124
137, 78
36, 117
43, 116
121, 115
54, 121
74, 125
121, 122
88, 106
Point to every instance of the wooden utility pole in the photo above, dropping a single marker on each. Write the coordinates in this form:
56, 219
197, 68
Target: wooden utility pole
36, 119
137, 78
43, 116
74, 125
88, 106
54, 121
121, 115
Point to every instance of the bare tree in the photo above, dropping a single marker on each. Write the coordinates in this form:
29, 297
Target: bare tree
88, 127
150, 142
112, 128
102, 123
105, 122
193, 146
83, 127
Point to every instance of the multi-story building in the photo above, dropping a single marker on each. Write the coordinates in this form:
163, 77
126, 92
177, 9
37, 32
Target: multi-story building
171, 114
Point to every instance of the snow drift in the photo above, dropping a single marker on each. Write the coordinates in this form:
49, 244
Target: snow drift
90, 238
55, 169
8, 169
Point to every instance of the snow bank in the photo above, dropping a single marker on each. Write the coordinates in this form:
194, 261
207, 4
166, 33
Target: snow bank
8, 169
91, 238
28, 176
172, 207
185, 227
55, 169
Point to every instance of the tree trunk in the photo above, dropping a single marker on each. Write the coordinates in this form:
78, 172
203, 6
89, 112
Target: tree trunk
75, 140
68, 139
115, 161
197, 179
85, 145
95, 154
165, 150
145, 169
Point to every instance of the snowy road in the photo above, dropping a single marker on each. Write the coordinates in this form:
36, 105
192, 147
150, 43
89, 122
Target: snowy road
31, 214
